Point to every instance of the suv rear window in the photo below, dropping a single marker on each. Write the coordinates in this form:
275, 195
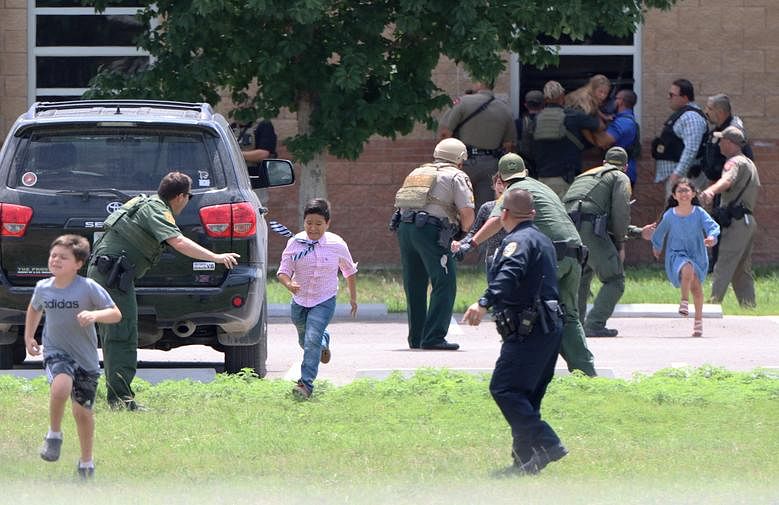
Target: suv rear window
118, 158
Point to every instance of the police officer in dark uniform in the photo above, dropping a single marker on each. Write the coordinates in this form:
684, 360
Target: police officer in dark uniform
434, 205
522, 294
133, 242
257, 141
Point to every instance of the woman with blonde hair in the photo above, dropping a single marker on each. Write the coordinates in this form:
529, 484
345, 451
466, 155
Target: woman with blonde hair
590, 97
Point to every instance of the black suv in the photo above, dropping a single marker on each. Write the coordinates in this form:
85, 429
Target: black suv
66, 165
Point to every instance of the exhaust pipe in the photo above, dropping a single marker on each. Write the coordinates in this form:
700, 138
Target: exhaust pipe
184, 329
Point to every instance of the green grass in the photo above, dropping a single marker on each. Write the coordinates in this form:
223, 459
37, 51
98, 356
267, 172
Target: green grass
679, 436
643, 285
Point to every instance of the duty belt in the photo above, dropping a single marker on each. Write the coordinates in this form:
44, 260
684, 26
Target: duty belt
567, 249
410, 216
475, 151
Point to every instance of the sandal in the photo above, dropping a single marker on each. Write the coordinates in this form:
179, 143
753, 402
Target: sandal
684, 309
697, 328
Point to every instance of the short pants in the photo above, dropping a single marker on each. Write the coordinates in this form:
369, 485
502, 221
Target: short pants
84, 382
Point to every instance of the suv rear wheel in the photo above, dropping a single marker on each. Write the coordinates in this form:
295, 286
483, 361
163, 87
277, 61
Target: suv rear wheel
238, 357
12, 354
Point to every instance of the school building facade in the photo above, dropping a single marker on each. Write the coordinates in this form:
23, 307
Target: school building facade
49, 50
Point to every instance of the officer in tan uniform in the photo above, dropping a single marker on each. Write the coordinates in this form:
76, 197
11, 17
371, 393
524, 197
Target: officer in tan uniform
485, 125
434, 205
738, 186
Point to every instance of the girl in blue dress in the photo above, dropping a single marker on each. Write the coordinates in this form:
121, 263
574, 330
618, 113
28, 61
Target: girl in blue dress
687, 231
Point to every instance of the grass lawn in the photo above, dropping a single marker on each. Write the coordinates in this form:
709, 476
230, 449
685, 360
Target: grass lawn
703, 436
643, 285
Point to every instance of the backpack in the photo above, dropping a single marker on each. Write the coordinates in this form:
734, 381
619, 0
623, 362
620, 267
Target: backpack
634, 149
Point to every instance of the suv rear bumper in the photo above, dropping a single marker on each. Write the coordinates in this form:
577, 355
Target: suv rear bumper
170, 306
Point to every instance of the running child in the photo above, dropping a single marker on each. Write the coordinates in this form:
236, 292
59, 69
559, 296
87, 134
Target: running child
687, 231
309, 270
72, 304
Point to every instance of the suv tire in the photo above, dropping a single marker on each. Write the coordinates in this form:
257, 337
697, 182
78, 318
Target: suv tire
238, 357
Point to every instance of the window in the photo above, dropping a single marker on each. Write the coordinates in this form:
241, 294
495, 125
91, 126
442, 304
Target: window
70, 43
618, 58
127, 159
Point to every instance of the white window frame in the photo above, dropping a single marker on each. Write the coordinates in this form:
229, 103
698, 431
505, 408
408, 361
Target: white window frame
633, 50
34, 51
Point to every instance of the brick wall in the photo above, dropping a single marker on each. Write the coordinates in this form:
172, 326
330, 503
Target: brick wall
13, 61
362, 194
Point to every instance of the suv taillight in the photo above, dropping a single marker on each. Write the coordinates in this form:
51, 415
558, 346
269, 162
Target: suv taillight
14, 219
234, 220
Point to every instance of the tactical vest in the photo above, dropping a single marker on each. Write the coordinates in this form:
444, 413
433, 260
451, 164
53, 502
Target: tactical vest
587, 194
670, 147
122, 223
550, 125
416, 191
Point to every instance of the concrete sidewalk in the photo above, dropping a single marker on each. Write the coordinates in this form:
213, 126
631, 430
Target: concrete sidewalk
378, 311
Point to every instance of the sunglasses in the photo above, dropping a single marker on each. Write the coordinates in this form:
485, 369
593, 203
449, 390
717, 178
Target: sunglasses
189, 196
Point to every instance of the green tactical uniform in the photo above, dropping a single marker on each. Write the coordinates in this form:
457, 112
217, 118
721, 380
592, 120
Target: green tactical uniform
599, 203
138, 230
552, 220
425, 259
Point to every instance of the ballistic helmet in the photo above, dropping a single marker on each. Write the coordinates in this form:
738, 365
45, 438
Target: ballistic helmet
450, 149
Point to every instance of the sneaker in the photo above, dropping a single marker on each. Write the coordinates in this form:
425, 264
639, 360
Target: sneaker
51, 449
600, 332
85, 473
326, 355
301, 391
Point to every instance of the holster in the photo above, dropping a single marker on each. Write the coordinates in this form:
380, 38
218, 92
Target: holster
119, 272
394, 221
600, 226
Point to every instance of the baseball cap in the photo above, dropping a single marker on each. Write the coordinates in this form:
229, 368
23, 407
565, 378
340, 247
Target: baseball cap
616, 156
732, 133
511, 166
534, 97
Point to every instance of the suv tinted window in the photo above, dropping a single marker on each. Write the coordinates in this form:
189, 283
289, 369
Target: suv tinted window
123, 159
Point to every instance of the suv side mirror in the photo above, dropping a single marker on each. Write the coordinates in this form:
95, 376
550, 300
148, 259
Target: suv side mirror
273, 173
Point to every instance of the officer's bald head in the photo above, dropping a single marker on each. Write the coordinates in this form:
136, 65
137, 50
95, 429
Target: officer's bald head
519, 204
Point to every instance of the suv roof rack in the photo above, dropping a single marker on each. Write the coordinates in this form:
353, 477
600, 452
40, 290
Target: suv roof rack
203, 108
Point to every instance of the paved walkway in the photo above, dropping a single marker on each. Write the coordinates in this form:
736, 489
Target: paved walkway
651, 337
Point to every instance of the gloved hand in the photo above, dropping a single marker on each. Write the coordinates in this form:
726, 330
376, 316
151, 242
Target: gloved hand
465, 247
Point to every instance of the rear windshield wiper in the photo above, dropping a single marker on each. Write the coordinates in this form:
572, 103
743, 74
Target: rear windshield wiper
86, 193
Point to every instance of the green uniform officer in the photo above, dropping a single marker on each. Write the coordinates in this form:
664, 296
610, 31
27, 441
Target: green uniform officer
433, 205
738, 185
553, 221
598, 202
134, 238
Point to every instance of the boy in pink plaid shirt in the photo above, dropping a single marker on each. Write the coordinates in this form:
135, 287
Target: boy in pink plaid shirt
309, 270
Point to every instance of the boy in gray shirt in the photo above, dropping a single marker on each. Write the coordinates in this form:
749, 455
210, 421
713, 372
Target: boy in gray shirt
73, 304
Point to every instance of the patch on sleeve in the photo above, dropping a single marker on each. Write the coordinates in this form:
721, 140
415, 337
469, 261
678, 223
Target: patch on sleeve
169, 217
510, 249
